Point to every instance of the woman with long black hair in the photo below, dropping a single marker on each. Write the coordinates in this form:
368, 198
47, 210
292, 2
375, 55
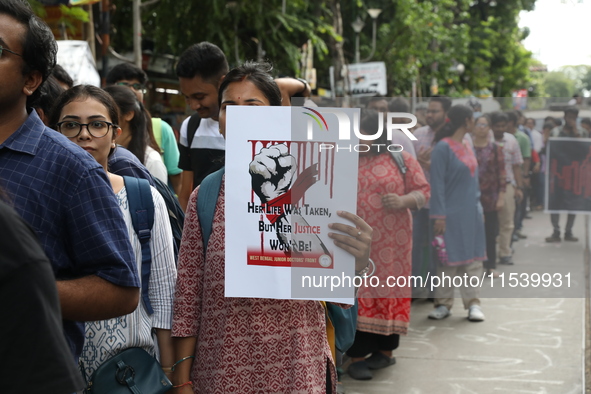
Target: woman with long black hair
458, 216
136, 132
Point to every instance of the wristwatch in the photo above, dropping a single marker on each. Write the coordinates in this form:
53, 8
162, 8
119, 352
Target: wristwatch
301, 93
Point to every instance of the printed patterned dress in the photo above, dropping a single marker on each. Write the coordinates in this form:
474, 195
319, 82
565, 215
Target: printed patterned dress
244, 345
492, 176
386, 311
455, 197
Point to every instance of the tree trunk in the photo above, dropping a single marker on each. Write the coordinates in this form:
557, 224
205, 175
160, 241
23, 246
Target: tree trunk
89, 31
341, 80
137, 33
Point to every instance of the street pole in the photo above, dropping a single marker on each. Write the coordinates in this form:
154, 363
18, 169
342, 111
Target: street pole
105, 27
137, 33
357, 27
356, 47
374, 13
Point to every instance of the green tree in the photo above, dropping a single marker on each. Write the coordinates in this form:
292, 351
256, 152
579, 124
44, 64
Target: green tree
419, 40
558, 84
586, 80
253, 29
579, 75
422, 40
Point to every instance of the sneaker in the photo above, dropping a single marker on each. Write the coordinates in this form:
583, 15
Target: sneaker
514, 238
569, 237
521, 236
555, 237
507, 260
360, 371
439, 313
475, 313
379, 360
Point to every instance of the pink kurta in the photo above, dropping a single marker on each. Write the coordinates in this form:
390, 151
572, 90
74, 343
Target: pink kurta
244, 345
386, 310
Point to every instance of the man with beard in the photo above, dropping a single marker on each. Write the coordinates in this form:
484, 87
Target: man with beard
62, 193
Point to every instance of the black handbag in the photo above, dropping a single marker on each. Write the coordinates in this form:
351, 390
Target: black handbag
131, 371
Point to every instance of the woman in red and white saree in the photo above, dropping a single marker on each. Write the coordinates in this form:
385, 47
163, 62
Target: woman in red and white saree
385, 197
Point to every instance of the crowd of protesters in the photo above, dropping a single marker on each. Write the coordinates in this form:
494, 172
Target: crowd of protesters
73, 185
450, 203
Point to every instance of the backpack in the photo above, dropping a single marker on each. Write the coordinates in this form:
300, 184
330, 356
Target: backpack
206, 202
176, 215
344, 322
141, 207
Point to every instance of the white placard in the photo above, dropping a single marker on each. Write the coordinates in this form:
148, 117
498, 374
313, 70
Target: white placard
288, 171
76, 58
368, 79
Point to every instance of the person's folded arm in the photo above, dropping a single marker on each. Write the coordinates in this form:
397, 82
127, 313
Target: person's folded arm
101, 279
93, 298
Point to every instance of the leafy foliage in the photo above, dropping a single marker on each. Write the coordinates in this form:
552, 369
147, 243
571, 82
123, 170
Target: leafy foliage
558, 84
419, 40
244, 29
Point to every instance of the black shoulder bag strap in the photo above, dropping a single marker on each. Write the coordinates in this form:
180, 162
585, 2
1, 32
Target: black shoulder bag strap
399, 160
194, 122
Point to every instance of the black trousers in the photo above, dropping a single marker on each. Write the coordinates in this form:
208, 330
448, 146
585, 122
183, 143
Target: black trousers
570, 221
491, 229
366, 343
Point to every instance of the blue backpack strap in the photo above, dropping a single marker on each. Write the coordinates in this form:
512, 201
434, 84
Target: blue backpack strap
141, 207
206, 202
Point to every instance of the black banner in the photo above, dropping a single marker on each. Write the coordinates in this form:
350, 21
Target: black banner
568, 175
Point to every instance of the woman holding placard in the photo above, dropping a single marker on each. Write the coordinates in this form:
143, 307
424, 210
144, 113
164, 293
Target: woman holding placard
249, 345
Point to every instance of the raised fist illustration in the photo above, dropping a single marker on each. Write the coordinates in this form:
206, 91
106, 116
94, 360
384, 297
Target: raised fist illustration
272, 172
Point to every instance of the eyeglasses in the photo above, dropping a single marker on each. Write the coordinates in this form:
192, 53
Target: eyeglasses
481, 125
2, 49
96, 128
135, 86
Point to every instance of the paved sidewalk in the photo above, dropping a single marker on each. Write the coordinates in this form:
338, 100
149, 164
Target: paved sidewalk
526, 345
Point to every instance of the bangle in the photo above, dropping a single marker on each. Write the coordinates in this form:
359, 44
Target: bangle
167, 369
189, 383
180, 361
364, 272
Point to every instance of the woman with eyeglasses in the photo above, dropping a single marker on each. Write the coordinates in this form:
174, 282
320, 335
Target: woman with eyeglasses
136, 132
492, 178
89, 117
